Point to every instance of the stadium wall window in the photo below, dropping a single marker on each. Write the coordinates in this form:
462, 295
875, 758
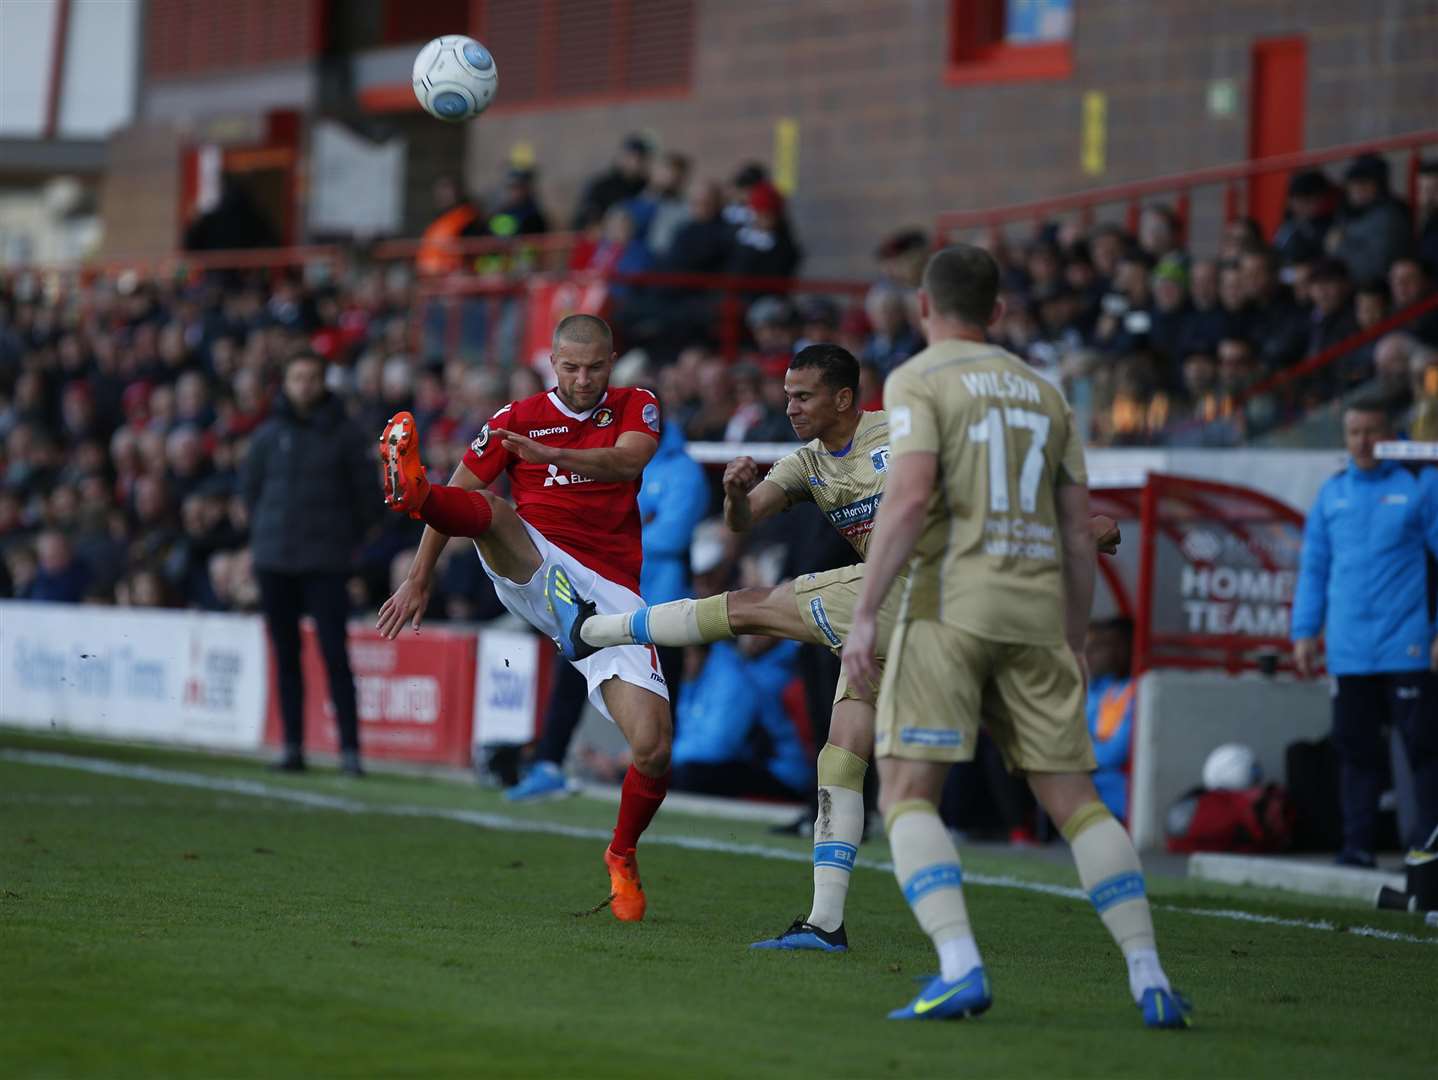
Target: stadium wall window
1009, 40
566, 52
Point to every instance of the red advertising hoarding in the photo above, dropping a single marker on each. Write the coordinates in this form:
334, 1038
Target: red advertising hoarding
415, 695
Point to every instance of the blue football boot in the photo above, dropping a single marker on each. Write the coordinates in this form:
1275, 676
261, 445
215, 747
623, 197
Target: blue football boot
1164, 1008
949, 1000
544, 780
805, 936
570, 610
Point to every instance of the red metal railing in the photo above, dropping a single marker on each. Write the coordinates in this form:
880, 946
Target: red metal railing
191, 263
1335, 352
553, 247
1234, 180
730, 291
1314, 364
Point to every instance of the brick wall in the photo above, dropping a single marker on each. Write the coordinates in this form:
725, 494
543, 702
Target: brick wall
140, 192
185, 37
885, 141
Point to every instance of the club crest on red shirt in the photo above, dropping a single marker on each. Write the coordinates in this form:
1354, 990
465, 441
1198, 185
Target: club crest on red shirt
603, 417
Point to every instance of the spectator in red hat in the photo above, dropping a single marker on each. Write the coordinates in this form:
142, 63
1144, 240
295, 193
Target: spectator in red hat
765, 246
737, 213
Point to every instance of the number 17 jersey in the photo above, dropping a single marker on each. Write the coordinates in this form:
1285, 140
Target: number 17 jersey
989, 558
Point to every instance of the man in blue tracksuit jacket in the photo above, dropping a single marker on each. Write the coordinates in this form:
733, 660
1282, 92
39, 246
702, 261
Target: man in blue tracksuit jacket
732, 734
1362, 583
672, 500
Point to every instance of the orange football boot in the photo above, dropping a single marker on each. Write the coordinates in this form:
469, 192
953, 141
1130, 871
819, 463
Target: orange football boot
405, 484
626, 894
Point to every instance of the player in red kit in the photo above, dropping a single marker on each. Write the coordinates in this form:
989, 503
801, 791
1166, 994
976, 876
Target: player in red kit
574, 456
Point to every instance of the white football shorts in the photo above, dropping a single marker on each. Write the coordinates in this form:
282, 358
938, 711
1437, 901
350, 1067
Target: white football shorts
634, 664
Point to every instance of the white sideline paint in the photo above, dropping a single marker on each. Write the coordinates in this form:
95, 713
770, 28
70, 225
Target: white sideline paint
318, 801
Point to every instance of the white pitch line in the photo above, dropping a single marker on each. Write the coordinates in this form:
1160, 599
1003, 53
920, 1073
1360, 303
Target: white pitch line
499, 822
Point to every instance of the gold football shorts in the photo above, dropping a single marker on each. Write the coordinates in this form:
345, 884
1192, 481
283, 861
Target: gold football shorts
826, 603
940, 683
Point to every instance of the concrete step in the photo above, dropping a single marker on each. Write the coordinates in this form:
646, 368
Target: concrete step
1294, 874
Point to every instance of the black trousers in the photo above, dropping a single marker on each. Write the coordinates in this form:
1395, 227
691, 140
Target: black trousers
569, 692
1364, 708
324, 597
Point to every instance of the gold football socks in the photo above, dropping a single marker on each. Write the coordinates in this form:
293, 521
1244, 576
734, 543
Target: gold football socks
1110, 872
837, 832
679, 622
927, 866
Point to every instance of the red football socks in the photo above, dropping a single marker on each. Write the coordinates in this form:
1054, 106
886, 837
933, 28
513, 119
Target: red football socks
638, 802
455, 511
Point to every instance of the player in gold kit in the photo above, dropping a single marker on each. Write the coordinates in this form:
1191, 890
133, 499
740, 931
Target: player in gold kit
987, 507
843, 470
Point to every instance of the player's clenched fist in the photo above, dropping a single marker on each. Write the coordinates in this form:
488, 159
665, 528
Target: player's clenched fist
1105, 533
740, 476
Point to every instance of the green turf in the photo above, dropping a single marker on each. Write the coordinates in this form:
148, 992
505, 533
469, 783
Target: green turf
152, 930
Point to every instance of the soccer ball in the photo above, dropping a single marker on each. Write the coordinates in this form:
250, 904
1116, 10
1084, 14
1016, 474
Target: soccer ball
1231, 767
455, 78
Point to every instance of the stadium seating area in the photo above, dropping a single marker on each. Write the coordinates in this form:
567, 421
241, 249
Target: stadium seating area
1155, 345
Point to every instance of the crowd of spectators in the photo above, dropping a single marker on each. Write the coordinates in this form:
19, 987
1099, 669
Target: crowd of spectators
127, 402
1155, 345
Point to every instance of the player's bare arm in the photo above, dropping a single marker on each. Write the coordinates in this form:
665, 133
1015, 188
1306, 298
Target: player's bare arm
1078, 568
620, 463
747, 499
896, 530
409, 601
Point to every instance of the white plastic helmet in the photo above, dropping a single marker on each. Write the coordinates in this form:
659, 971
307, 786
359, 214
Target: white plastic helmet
1231, 767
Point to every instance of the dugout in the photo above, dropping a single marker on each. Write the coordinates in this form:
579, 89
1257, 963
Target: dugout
1207, 573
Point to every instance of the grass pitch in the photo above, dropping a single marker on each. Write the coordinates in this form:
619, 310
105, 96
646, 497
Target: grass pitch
149, 929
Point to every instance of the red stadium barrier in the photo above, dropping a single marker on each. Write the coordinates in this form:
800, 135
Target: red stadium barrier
550, 297
416, 696
1236, 181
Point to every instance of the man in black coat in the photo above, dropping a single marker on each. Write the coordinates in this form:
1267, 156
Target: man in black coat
624, 179
312, 490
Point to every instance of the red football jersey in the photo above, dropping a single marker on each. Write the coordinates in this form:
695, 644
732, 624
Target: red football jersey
596, 522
